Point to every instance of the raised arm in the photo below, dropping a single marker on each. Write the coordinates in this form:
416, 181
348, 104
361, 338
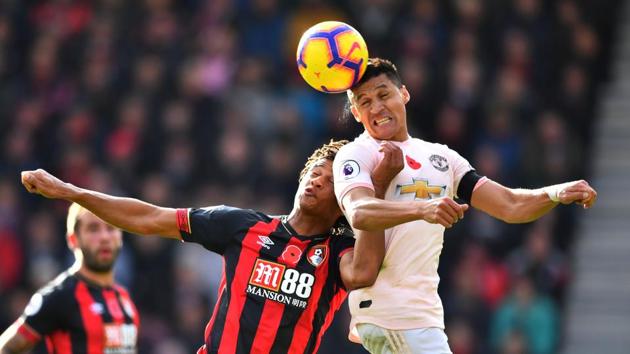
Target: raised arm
129, 214
13, 342
525, 205
360, 267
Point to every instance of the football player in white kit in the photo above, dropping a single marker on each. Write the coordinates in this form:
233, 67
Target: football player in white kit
402, 312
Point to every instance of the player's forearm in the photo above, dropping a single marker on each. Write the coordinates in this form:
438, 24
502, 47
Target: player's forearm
129, 214
372, 214
369, 251
526, 205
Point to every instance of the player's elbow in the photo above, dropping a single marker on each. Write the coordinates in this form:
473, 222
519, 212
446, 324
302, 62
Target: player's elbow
358, 220
362, 279
360, 217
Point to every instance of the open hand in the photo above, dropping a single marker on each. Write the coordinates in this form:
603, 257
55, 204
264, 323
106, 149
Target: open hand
42, 182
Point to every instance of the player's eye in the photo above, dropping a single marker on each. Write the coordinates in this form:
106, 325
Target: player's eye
365, 103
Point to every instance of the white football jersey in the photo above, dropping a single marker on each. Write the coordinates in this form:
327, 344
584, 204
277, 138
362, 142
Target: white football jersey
404, 295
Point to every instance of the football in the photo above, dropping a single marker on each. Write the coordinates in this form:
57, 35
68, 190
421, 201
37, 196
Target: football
332, 56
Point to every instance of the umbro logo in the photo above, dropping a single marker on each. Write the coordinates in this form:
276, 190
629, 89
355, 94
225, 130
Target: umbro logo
97, 308
265, 241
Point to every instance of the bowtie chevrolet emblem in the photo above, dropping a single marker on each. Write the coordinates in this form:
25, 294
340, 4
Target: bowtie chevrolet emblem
422, 189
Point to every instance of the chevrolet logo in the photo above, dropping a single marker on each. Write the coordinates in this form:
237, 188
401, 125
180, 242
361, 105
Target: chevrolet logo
422, 189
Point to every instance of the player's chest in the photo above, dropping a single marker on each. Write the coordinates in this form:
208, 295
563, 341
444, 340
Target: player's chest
109, 321
281, 270
425, 175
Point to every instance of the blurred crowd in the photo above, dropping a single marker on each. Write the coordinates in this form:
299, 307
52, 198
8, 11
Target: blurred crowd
196, 103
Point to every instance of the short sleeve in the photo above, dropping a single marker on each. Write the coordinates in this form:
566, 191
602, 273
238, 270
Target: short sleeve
460, 167
44, 314
213, 227
352, 168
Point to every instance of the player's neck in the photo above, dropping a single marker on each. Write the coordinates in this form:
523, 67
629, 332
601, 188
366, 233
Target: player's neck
306, 224
101, 279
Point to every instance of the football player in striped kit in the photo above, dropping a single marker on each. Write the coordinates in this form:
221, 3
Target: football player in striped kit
82, 310
284, 277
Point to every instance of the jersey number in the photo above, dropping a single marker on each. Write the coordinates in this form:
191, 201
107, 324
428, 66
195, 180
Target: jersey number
297, 283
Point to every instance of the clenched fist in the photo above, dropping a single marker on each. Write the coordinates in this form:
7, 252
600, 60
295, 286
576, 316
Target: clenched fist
42, 182
444, 211
578, 192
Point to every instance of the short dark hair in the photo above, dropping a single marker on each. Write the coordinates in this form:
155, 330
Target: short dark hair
377, 66
326, 151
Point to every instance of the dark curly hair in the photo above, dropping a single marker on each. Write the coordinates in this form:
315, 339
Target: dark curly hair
326, 151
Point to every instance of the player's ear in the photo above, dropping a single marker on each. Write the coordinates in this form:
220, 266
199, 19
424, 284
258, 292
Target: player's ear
405, 94
355, 112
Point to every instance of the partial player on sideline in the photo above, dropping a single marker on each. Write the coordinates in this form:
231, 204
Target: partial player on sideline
82, 310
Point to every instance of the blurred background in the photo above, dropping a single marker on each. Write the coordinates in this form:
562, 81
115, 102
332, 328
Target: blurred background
196, 103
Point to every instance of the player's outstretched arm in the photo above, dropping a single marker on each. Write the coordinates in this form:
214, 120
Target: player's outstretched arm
129, 214
525, 205
360, 267
13, 342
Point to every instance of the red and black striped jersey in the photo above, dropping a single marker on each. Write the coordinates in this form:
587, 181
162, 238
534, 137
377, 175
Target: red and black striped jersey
279, 289
76, 316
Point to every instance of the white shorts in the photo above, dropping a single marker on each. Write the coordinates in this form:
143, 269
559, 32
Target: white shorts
379, 340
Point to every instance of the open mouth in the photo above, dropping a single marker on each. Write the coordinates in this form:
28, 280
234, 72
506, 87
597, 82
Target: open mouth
105, 252
382, 121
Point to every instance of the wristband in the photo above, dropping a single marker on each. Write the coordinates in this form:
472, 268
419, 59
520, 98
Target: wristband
554, 191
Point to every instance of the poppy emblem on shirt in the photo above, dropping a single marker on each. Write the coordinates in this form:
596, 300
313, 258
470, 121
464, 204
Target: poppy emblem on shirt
350, 169
412, 163
291, 255
317, 255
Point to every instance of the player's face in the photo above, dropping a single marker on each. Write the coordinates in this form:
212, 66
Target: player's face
316, 191
379, 105
99, 242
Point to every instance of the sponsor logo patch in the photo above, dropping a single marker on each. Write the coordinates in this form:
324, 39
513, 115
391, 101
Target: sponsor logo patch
273, 281
439, 163
97, 308
120, 336
267, 274
350, 169
265, 241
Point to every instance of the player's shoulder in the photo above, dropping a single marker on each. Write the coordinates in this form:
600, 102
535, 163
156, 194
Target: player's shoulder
361, 143
57, 291
429, 145
63, 282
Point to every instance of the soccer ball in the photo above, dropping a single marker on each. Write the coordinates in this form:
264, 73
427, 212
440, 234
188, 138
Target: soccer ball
332, 56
